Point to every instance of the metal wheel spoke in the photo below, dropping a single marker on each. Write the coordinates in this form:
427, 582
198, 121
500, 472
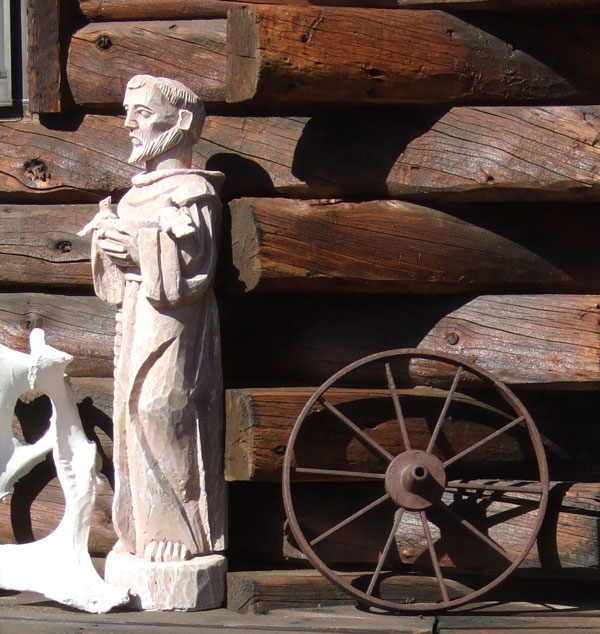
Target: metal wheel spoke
497, 433
434, 560
472, 529
335, 472
357, 430
386, 550
444, 411
397, 407
505, 488
352, 517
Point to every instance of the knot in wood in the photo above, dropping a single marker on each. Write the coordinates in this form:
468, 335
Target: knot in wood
32, 320
36, 170
452, 338
104, 42
64, 246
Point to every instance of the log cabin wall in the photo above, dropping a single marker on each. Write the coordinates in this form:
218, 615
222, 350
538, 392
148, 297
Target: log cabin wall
398, 174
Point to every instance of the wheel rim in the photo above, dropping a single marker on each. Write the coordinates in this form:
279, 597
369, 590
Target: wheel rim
417, 481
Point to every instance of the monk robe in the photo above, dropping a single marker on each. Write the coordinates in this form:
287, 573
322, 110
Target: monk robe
168, 384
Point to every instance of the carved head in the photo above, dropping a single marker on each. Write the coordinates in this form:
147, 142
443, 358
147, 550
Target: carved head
160, 114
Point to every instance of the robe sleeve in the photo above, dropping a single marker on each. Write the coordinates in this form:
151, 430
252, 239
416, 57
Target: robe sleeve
109, 279
177, 271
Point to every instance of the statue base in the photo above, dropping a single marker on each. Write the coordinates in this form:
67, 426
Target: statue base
196, 584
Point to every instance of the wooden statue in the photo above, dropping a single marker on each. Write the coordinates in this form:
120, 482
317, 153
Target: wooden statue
155, 259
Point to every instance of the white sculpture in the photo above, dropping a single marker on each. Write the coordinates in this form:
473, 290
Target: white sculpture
155, 258
59, 565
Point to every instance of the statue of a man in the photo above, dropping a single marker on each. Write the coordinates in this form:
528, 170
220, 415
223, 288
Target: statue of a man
155, 259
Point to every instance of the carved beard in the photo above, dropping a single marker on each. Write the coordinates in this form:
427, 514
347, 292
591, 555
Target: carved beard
163, 142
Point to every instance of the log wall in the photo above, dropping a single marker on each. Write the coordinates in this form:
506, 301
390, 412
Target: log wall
415, 173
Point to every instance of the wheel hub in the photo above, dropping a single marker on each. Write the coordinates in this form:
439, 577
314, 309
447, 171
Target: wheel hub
415, 480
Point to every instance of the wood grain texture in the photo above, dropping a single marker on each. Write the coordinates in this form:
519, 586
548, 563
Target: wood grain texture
44, 55
306, 55
518, 606
155, 10
260, 421
39, 245
102, 58
178, 9
548, 340
567, 543
389, 246
80, 325
462, 153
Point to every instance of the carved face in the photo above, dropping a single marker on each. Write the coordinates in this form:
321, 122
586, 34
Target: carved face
153, 123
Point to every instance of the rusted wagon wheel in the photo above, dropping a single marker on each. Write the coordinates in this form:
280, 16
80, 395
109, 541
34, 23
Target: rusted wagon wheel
422, 497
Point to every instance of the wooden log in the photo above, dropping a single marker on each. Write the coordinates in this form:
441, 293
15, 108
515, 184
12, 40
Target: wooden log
260, 421
567, 545
518, 605
303, 56
80, 325
39, 244
44, 55
178, 9
544, 340
465, 153
389, 246
260, 591
102, 58
162, 10
382, 246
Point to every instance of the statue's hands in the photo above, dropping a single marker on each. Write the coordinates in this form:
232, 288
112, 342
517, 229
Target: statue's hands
120, 245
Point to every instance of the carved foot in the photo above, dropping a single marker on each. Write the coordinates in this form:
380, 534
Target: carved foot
165, 550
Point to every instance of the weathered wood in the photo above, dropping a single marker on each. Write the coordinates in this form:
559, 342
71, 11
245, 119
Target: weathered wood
44, 55
177, 9
82, 326
24, 613
390, 246
102, 58
303, 56
464, 153
380, 246
567, 545
548, 340
161, 10
260, 421
261, 591
39, 245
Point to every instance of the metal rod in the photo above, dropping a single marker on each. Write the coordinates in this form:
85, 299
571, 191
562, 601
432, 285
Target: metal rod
334, 472
464, 522
386, 550
434, 560
444, 411
397, 407
484, 440
507, 488
357, 430
352, 517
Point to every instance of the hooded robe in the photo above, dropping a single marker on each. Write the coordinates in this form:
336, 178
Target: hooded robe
168, 384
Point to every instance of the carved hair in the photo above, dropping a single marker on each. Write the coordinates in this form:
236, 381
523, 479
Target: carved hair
178, 95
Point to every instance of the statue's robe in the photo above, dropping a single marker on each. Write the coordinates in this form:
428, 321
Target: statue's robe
168, 383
